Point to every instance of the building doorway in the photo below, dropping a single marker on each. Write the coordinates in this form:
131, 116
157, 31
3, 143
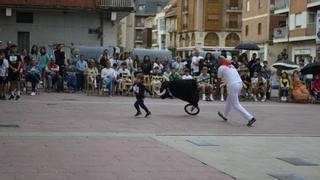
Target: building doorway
23, 41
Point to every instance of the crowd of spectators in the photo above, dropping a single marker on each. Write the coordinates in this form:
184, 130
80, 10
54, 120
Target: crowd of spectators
115, 73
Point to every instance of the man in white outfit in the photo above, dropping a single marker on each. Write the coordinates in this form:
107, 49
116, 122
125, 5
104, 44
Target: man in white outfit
231, 77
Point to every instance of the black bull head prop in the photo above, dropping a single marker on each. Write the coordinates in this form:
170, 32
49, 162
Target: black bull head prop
186, 90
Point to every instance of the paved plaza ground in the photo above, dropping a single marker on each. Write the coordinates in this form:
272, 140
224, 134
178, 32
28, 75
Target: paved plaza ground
79, 137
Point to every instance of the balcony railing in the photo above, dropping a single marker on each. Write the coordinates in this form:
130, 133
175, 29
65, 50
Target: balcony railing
139, 24
116, 3
311, 29
313, 1
185, 8
281, 4
281, 32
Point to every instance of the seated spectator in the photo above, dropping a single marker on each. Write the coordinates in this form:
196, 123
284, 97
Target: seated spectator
81, 66
298, 89
91, 74
157, 64
123, 74
284, 86
108, 76
167, 73
246, 83
174, 74
315, 86
205, 85
186, 74
166, 63
33, 74
71, 78
53, 75
4, 65
259, 86
179, 65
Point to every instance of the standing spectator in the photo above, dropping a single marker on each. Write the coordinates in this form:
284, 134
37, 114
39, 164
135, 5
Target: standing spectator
315, 86
205, 85
33, 74
7, 49
81, 66
4, 65
108, 75
135, 64
115, 59
43, 60
266, 73
71, 77
15, 71
103, 60
166, 63
211, 63
235, 63
60, 60
195, 64
53, 75
146, 65
252, 63
75, 55
34, 53
284, 86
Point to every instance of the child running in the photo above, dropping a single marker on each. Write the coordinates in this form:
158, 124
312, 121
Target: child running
139, 89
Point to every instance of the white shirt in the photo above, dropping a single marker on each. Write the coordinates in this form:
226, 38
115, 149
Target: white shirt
186, 77
123, 72
160, 66
108, 73
229, 75
195, 67
4, 68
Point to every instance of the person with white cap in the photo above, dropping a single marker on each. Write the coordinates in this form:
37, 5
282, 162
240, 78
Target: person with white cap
231, 77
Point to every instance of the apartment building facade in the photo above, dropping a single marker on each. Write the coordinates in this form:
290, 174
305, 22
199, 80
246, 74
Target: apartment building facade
281, 24
299, 27
135, 24
91, 23
208, 25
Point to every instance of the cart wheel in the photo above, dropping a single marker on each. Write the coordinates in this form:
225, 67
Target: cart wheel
191, 110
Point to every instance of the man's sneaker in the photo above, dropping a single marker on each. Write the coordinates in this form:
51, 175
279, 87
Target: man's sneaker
17, 97
137, 114
221, 115
11, 97
211, 98
148, 114
263, 99
255, 98
251, 122
33, 94
222, 99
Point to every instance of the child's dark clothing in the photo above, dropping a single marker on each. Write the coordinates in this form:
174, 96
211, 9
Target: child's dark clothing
139, 90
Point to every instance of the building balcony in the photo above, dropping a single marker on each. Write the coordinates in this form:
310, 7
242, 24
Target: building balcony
185, 8
313, 3
311, 29
280, 34
116, 4
234, 9
233, 26
281, 6
139, 25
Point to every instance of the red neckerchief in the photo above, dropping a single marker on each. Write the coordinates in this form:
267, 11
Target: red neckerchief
227, 63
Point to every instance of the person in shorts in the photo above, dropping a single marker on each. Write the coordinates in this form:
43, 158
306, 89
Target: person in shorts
4, 65
14, 72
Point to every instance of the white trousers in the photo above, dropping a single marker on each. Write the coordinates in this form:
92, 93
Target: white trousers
233, 101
